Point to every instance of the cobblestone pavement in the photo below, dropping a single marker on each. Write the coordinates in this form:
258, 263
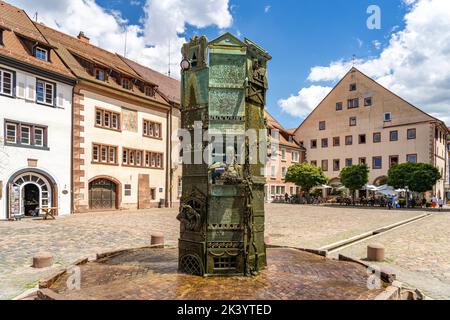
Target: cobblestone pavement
72, 237
418, 253
151, 274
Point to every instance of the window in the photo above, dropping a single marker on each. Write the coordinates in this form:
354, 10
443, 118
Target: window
393, 135
126, 84
6, 82
377, 162
325, 143
127, 190
336, 142
313, 144
273, 172
322, 125
41, 54
149, 91
38, 137
377, 137
387, 117
411, 134
283, 172
107, 119
352, 121
338, 106
411, 158
151, 129
353, 87
100, 74
1, 37
104, 154
348, 140
23, 134
45, 92
393, 161
142, 158
348, 162
314, 163
325, 165
283, 154
362, 161
367, 102
353, 103
362, 139
153, 193
336, 165
295, 157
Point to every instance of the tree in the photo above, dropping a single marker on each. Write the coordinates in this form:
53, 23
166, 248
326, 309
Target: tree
306, 176
355, 178
417, 177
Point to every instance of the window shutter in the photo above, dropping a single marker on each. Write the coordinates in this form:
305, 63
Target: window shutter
31, 89
21, 84
60, 100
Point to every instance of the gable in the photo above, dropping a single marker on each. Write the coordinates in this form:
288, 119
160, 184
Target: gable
227, 40
383, 101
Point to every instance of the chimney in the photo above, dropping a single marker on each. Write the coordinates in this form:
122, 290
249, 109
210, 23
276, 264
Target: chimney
82, 37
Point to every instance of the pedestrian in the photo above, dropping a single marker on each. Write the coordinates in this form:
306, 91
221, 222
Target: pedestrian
286, 198
434, 202
441, 204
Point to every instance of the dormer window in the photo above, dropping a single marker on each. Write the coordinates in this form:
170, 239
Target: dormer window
41, 53
149, 91
100, 74
126, 84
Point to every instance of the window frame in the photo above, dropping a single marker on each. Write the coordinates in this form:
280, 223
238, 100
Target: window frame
365, 138
315, 142
390, 160
108, 147
346, 140
373, 163
31, 135
13, 83
54, 94
339, 106
150, 128
111, 113
324, 145
350, 122
324, 127
324, 165
353, 87
347, 162
338, 140
390, 117
412, 154
336, 165
377, 134
362, 160
390, 135
350, 103
366, 104
129, 83
142, 158
411, 130
41, 49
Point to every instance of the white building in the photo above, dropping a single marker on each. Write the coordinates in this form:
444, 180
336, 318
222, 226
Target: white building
35, 120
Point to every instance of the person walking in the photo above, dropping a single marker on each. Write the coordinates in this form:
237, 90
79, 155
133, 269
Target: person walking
441, 204
286, 198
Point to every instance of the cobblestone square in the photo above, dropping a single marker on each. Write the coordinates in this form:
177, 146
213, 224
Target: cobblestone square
72, 237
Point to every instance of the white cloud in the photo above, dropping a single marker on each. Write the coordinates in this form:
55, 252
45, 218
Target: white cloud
377, 44
305, 101
415, 64
164, 23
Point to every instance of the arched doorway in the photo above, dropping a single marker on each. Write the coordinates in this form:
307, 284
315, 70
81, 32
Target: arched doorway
380, 181
28, 191
103, 194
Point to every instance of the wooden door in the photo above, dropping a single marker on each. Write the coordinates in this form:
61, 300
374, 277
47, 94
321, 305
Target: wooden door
102, 194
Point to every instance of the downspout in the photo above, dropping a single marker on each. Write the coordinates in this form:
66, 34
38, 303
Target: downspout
168, 164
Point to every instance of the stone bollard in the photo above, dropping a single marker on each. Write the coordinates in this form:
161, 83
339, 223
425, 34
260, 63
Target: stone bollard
42, 260
266, 240
375, 252
157, 240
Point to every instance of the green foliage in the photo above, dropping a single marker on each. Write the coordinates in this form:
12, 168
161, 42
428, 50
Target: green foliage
355, 177
418, 177
306, 176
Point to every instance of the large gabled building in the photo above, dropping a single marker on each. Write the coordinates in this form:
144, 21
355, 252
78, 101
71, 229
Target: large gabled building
35, 120
360, 121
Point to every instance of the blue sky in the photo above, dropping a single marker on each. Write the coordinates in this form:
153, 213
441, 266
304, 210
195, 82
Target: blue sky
299, 35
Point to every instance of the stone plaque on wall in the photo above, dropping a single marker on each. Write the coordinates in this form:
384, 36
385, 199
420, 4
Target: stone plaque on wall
129, 120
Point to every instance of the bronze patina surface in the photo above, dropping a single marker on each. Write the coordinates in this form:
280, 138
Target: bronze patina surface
152, 274
223, 91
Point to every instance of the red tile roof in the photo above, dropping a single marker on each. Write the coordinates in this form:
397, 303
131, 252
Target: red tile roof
168, 86
19, 28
